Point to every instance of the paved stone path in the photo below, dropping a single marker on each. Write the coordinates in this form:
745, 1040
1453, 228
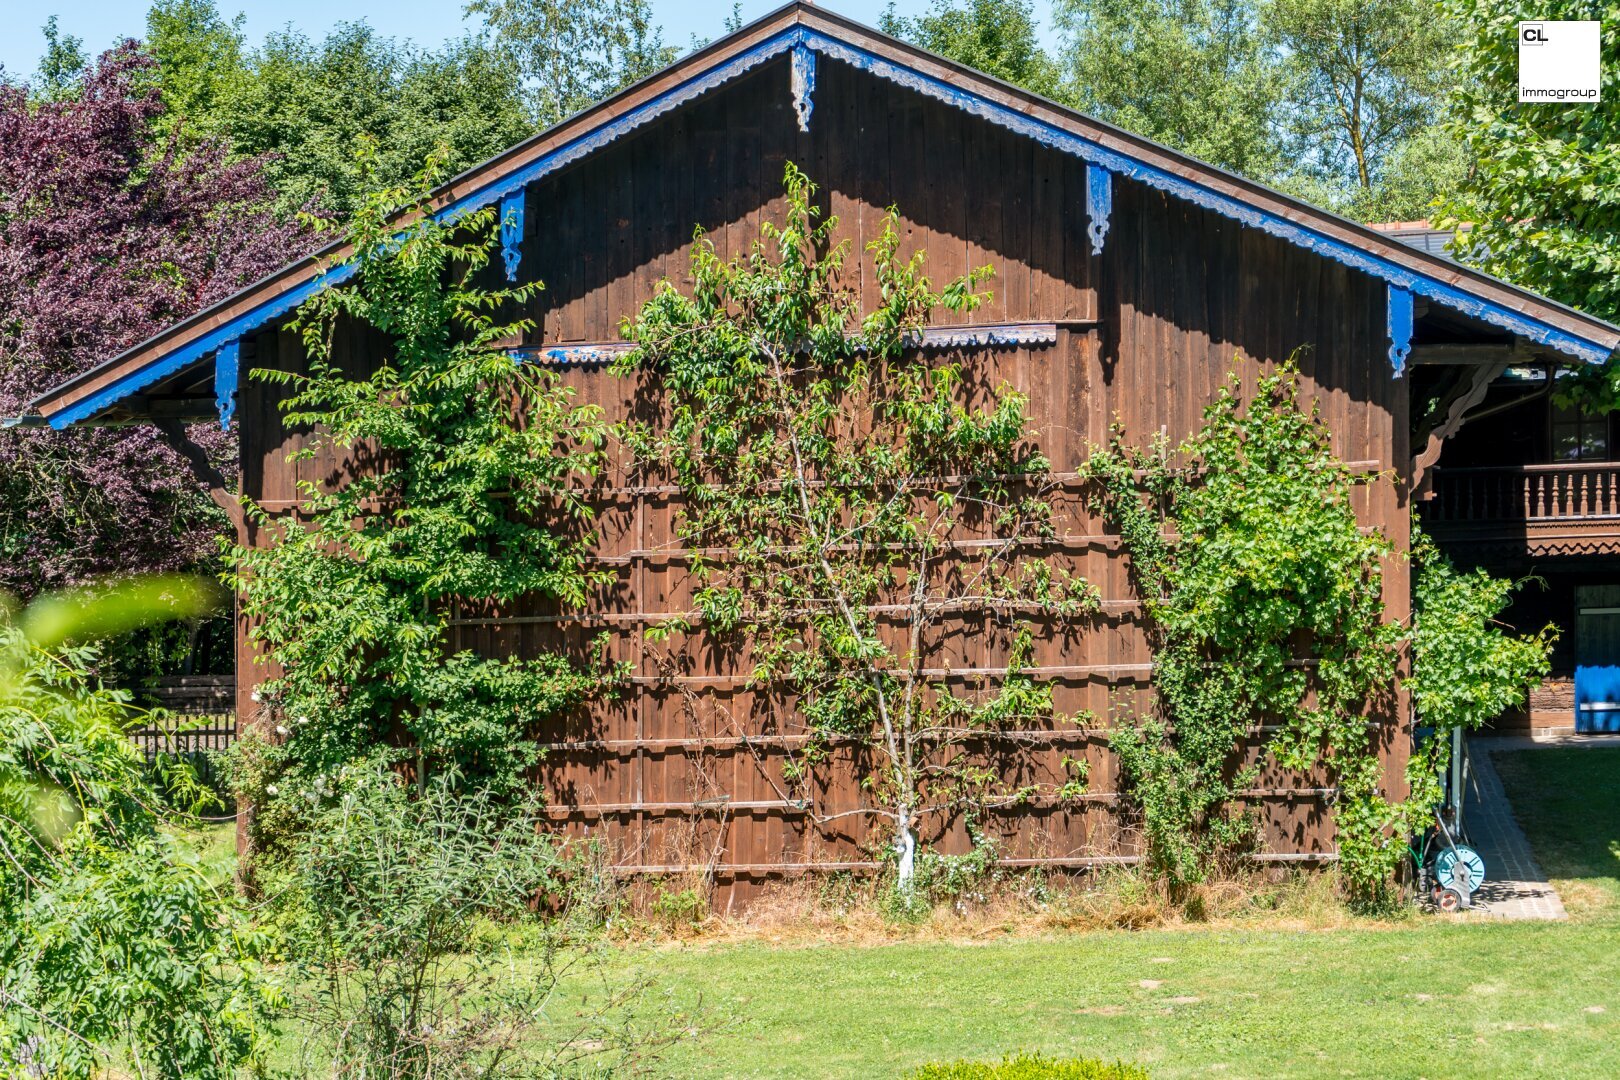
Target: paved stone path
1515, 887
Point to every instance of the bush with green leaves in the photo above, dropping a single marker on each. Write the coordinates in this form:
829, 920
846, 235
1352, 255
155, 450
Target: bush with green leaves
1031, 1067
475, 498
115, 948
1266, 607
400, 904
834, 466
1265, 596
1466, 667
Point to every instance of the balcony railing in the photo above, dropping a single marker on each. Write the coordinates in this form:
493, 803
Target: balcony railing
1528, 493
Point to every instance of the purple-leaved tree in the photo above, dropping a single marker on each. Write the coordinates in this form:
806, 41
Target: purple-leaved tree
107, 234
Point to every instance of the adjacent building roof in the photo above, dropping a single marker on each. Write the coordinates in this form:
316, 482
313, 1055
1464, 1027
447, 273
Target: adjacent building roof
806, 34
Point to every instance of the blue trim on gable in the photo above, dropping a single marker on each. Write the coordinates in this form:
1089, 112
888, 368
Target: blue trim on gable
512, 206
801, 37
227, 366
1099, 204
1400, 327
193, 351
803, 85
1049, 134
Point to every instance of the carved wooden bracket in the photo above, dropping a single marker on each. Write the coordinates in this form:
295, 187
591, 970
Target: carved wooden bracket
1469, 392
203, 470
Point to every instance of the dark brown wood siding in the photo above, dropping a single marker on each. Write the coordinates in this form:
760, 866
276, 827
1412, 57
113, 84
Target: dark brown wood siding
1149, 331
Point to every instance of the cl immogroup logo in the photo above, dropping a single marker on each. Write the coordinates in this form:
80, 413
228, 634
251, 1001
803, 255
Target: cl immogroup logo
1560, 61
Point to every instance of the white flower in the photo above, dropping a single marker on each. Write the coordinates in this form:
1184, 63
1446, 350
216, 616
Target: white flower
281, 729
269, 789
302, 720
255, 694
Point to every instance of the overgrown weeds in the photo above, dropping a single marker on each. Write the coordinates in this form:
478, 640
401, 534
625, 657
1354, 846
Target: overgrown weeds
842, 908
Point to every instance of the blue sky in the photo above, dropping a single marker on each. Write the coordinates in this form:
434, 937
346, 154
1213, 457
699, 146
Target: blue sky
428, 22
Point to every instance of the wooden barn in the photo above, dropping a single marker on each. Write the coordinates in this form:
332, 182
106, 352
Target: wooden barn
1127, 278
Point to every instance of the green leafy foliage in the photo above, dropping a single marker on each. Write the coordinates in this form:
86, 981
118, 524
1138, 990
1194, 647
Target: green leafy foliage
1194, 74
828, 468
1336, 101
1543, 197
572, 53
1466, 669
1031, 1067
1366, 75
403, 907
1266, 603
114, 945
302, 104
997, 37
1266, 600
472, 497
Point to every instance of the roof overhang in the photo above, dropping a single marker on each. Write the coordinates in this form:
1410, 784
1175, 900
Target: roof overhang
808, 33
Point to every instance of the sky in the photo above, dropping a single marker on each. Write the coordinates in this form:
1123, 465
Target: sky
428, 22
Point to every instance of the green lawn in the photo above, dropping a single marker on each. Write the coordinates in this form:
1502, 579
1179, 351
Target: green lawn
1568, 801
1430, 999
1437, 1001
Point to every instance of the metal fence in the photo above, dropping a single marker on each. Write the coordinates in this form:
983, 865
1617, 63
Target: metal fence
193, 719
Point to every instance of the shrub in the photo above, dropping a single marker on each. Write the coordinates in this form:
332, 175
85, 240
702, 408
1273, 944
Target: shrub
1031, 1067
478, 503
114, 945
398, 900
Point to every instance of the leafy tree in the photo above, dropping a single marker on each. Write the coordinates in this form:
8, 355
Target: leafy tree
835, 467
573, 53
1334, 100
1365, 77
113, 944
1466, 669
996, 37
1197, 75
107, 234
470, 504
300, 105
1544, 195
62, 66
200, 66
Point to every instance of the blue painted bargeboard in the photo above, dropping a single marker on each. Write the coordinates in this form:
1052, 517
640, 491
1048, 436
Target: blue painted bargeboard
1042, 131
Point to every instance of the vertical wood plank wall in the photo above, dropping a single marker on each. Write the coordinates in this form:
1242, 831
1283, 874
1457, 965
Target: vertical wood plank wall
1149, 330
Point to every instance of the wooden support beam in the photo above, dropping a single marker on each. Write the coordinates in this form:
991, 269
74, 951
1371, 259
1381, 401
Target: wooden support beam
204, 471
1469, 392
1506, 352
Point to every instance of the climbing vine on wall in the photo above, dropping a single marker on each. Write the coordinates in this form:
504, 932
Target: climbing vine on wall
1267, 619
1267, 616
467, 492
831, 471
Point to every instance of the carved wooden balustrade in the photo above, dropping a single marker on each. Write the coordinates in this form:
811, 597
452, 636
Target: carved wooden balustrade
1540, 509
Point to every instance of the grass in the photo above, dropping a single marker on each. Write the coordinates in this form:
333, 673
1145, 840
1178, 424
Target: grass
1427, 997
1435, 1001
1433, 997
1568, 802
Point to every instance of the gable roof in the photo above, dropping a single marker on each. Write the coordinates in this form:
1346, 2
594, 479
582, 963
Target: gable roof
806, 32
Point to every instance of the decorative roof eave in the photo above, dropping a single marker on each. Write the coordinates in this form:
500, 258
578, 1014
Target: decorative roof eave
936, 338
975, 94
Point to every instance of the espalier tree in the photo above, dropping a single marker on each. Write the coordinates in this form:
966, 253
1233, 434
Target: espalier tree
1265, 599
830, 471
474, 497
